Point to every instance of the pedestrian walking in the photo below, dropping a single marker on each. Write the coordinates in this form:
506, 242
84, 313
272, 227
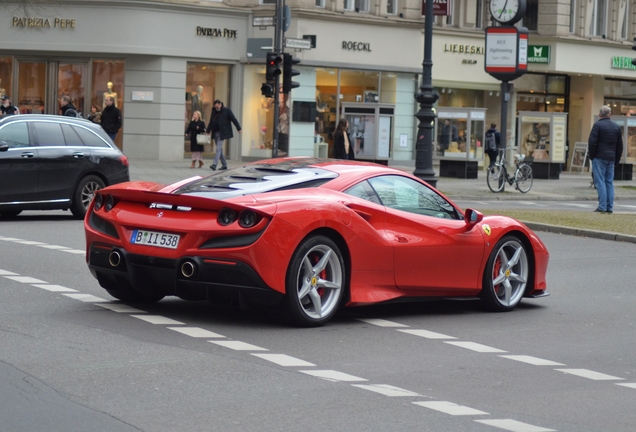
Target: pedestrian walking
7, 108
96, 115
196, 127
67, 108
605, 147
220, 127
491, 144
111, 118
342, 147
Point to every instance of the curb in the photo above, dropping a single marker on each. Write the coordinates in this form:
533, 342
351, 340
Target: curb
603, 235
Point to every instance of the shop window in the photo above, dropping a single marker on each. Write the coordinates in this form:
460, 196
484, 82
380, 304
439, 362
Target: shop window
391, 7
356, 5
326, 104
320, 3
598, 24
450, 97
479, 14
572, 16
531, 18
359, 86
268, 2
451, 19
31, 87
72, 83
624, 17
388, 87
108, 80
6, 69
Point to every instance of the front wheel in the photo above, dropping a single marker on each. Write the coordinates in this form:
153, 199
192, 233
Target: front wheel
495, 178
506, 275
523, 178
84, 193
314, 284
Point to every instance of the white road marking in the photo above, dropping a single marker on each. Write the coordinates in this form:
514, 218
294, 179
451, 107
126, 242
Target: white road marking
427, 334
9, 239
577, 205
332, 375
386, 390
7, 273
196, 332
56, 247
87, 298
73, 251
381, 323
630, 385
284, 360
119, 308
450, 408
586, 373
54, 288
476, 347
532, 360
156, 319
25, 279
29, 242
514, 426
239, 346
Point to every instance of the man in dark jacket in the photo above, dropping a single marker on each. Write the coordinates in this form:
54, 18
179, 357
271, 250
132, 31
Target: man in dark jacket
492, 152
7, 108
605, 147
221, 127
67, 107
111, 118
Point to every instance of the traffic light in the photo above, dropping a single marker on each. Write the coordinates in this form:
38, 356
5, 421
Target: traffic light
272, 69
267, 89
288, 72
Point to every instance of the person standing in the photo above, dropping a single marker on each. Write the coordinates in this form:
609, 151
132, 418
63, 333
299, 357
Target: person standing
196, 127
605, 148
492, 143
448, 134
221, 128
7, 109
111, 118
342, 148
96, 115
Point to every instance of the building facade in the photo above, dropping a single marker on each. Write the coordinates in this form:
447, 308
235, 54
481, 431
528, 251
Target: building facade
165, 59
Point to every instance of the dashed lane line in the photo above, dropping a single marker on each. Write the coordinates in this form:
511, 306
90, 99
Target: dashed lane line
450, 408
25, 279
332, 375
427, 334
532, 360
239, 346
630, 385
157, 319
73, 251
54, 247
29, 242
43, 245
120, 308
387, 390
196, 332
54, 288
86, 298
586, 373
473, 346
284, 360
381, 323
514, 426
7, 273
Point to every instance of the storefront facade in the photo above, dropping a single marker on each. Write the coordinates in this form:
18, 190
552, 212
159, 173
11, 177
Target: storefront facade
182, 59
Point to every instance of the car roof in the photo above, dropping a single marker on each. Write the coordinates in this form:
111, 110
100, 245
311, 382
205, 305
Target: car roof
49, 117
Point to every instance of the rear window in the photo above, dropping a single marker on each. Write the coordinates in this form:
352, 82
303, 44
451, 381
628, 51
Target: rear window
90, 139
48, 134
71, 137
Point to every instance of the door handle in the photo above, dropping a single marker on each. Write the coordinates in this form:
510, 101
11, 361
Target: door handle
27, 155
78, 155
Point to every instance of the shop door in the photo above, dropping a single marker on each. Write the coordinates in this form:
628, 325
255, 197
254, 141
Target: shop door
31, 87
71, 81
370, 129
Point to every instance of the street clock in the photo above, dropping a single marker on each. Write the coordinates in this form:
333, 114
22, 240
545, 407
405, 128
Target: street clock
507, 12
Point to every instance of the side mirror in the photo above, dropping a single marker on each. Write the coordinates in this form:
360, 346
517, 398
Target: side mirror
472, 218
4, 146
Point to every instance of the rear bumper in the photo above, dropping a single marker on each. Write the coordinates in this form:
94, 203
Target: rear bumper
203, 279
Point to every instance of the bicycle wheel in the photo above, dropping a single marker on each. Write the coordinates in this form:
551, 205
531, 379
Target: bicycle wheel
523, 178
496, 178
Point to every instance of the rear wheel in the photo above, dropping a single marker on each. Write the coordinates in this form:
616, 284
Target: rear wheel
315, 282
506, 275
84, 193
134, 297
495, 178
523, 178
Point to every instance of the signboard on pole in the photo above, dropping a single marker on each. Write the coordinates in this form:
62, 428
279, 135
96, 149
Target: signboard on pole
440, 7
297, 43
506, 52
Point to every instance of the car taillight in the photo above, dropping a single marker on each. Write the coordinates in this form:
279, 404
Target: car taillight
124, 160
99, 201
110, 203
247, 218
226, 216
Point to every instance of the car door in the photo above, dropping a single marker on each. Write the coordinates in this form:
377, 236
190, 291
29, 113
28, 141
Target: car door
434, 252
63, 159
18, 164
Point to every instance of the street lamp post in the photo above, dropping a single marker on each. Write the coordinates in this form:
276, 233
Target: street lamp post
426, 98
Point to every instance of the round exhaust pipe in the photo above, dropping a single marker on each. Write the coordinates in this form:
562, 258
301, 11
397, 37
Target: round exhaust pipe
188, 269
114, 259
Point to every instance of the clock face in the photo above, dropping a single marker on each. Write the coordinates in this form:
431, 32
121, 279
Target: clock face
507, 11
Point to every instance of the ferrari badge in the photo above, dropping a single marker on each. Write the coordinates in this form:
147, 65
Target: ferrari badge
486, 229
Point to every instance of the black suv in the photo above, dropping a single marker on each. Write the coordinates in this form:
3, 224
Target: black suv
52, 162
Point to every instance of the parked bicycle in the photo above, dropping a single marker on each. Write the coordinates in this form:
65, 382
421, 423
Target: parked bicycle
498, 174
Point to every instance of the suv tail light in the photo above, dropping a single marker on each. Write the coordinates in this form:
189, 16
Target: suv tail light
123, 159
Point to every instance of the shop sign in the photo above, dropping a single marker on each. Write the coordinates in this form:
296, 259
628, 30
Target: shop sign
539, 54
43, 22
262, 21
463, 49
440, 7
146, 96
622, 63
356, 46
297, 43
217, 32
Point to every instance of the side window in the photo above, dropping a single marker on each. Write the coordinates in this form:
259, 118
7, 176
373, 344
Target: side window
48, 134
15, 134
71, 137
365, 191
90, 139
403, 193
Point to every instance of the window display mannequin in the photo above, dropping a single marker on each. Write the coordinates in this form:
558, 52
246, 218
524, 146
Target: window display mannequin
197, 100
2, 90
110, 93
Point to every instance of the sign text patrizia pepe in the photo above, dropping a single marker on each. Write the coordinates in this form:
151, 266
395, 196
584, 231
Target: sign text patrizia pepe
43, 22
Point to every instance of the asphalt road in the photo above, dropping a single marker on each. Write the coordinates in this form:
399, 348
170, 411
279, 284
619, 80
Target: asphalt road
76, 360
620, 206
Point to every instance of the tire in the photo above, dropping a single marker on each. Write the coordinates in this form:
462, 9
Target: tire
84, 193
495, 179
134, 297
523, 178
10, 213
506, 275
314, 284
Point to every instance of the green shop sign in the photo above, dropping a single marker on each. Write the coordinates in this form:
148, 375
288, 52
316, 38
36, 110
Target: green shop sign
622, 63
539, 54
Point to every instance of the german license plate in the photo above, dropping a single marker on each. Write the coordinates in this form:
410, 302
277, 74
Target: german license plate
153, 238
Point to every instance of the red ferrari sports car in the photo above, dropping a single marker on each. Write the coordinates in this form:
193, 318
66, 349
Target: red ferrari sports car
307, 235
